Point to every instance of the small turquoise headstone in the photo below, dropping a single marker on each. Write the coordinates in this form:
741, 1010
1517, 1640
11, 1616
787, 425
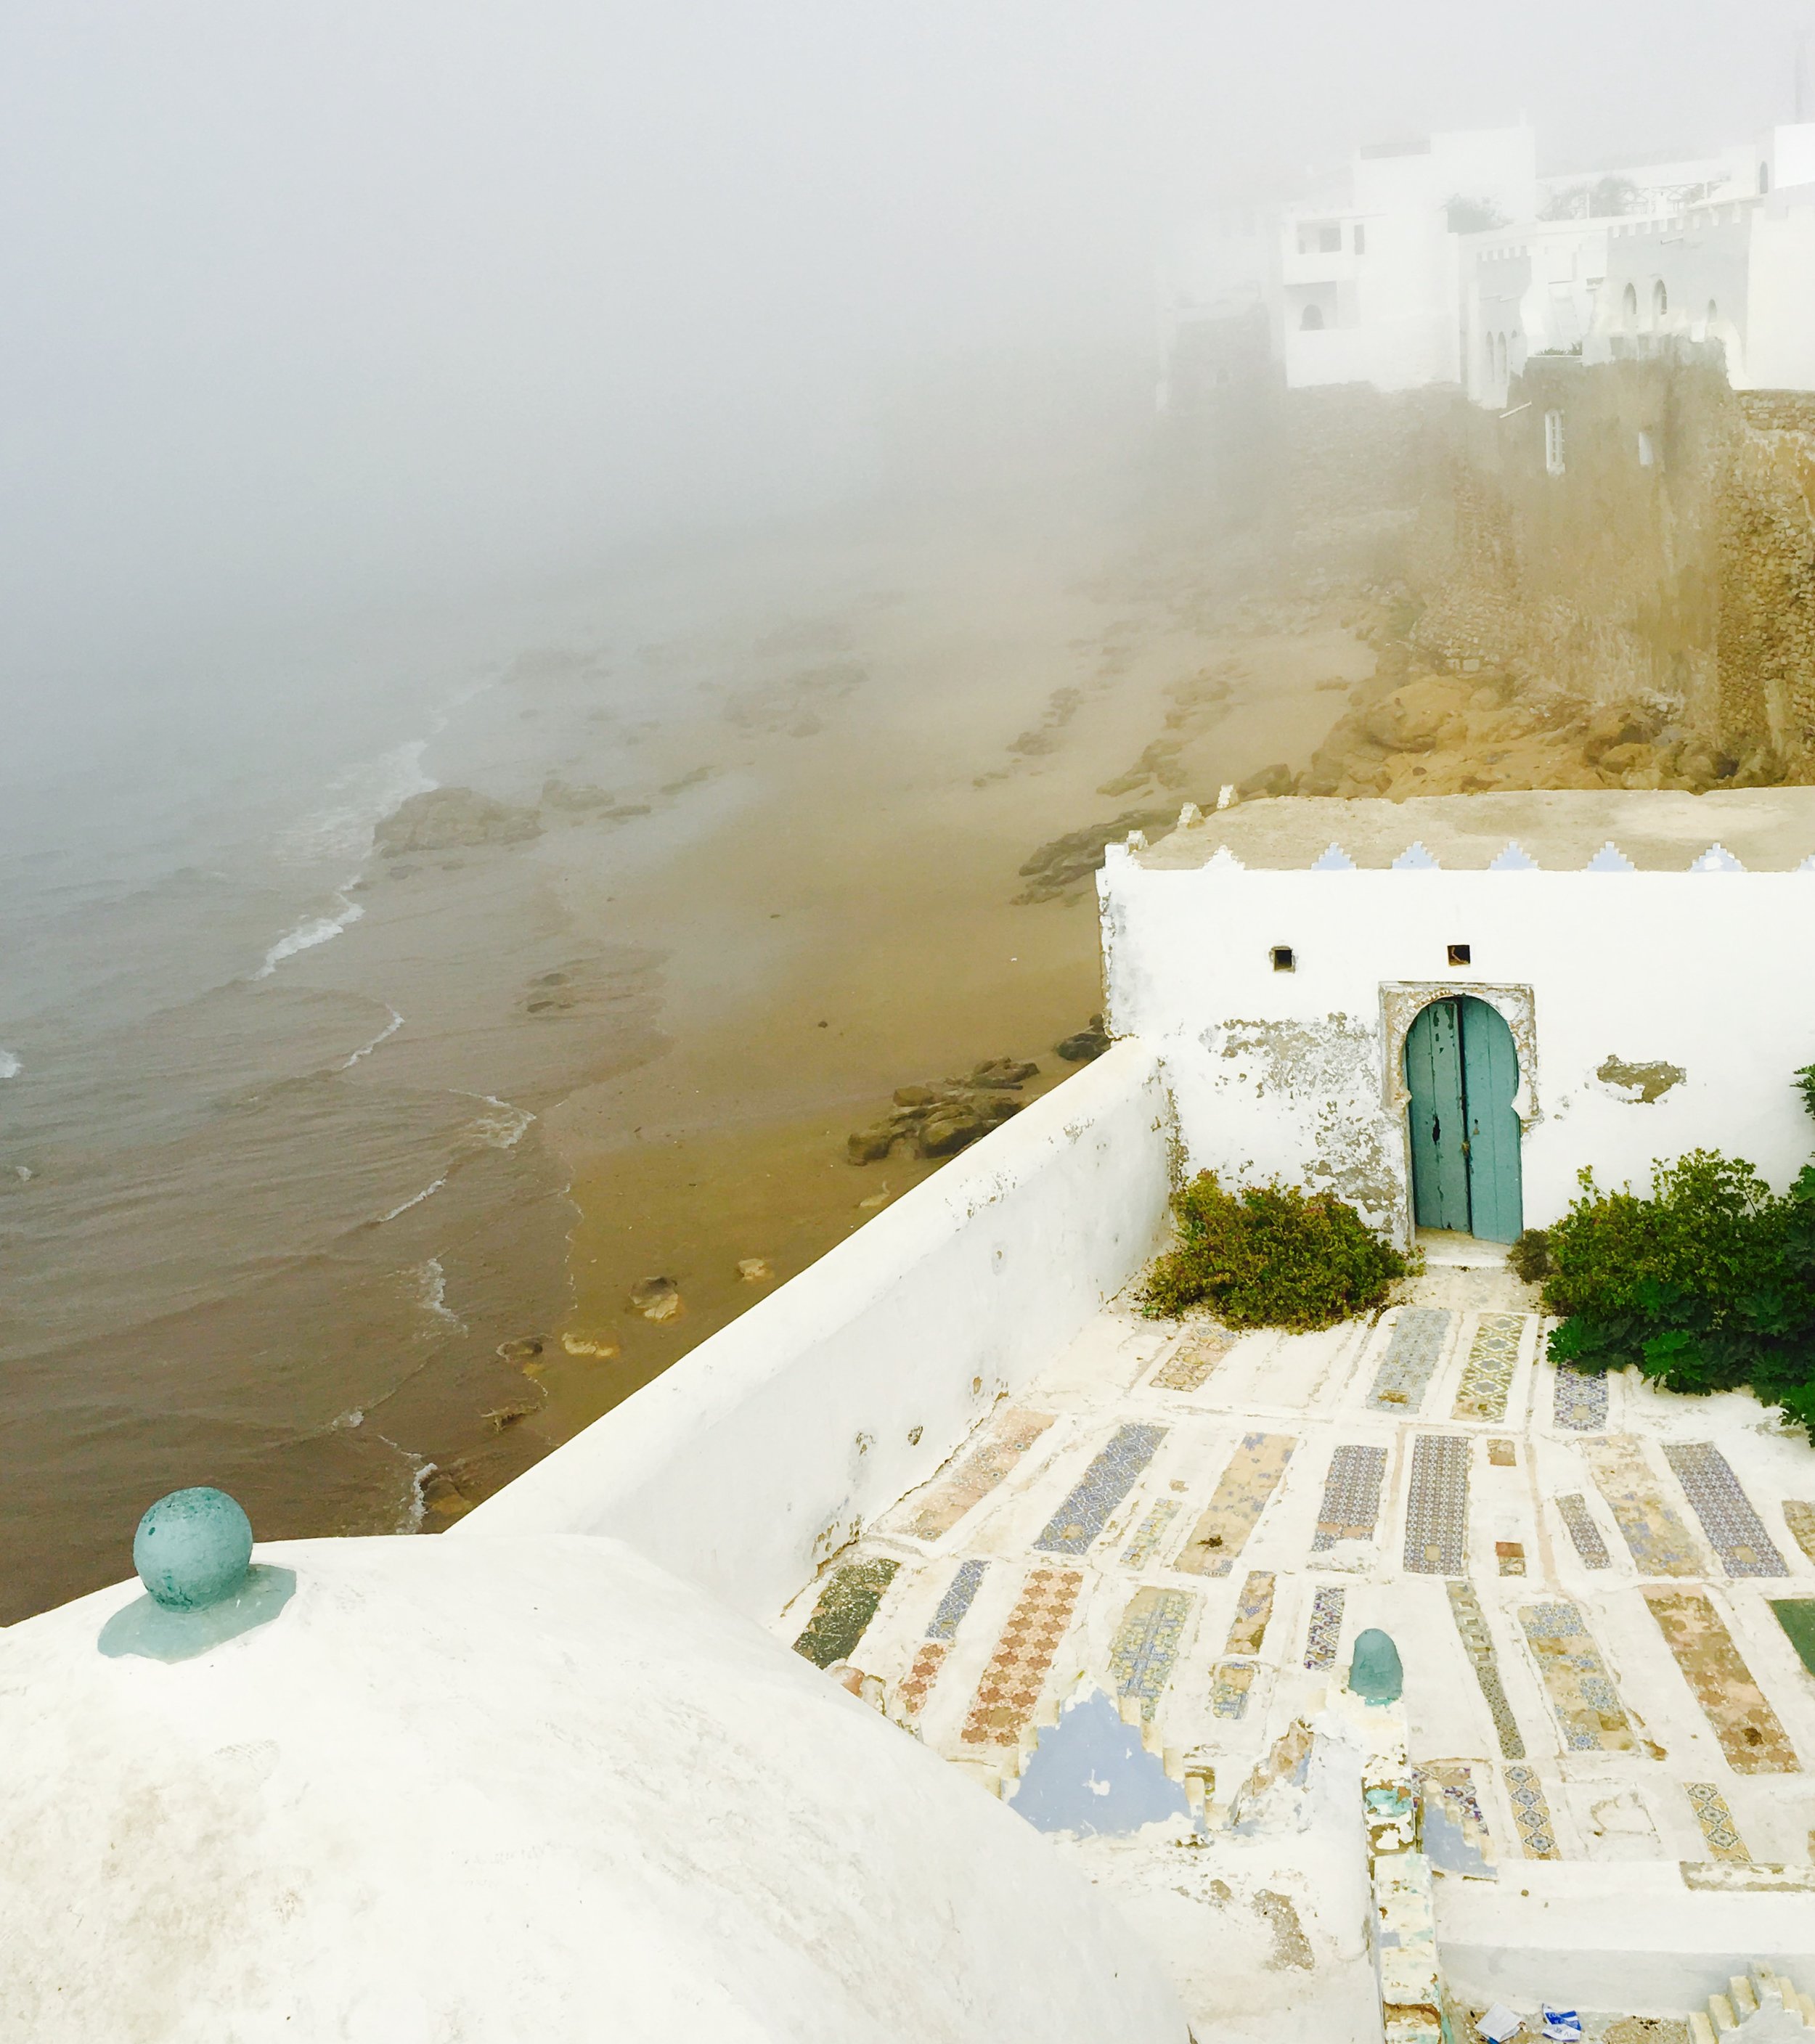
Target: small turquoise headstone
192, 1548
1374, 1672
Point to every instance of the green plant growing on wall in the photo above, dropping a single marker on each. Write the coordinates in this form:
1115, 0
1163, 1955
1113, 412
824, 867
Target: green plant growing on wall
1270, 1256
1707, 1285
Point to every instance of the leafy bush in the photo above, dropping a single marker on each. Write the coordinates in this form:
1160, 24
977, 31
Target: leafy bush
1270, 1256
1529, 1255
1707, 1285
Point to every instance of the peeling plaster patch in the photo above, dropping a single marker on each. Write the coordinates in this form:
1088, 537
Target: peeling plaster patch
1090, 1775
1640, 1084
1290, 1946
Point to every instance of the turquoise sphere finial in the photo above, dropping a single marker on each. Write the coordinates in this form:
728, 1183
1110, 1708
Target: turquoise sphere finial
1374, 1672
192, 1548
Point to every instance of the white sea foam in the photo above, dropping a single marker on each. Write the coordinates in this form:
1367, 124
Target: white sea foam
416, 1199
358, 801
432, 1282
306, 935
365, 1050
503, 1130
9, 1065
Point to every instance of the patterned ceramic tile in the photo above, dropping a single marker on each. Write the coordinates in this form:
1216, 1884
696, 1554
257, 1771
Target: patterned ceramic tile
1007, 1441
1735, 1532
1146, 1644
1248, 1626
1511, 1556
1796, 1617
1582, 1530
1148, 1534
916, 1685
957, 1600
1190, 1363
1531, 1813
1251, 1479
1582, 1693
845, 1608
1100, 1489
1352, 1497
1799, 1519
1661, 1544
1230, 1681
1487, 1375
1715, 1820
1745, 1723
1325, 1633
1455, 1831
1503, 1455
1471, 1623
1009, 1690
1410, 1360
1580, 1402
1436, 1506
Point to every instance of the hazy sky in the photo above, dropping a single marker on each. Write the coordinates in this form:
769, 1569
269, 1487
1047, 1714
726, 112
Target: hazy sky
304, 302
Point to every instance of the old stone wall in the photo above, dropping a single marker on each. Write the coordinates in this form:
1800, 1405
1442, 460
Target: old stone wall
1766, 653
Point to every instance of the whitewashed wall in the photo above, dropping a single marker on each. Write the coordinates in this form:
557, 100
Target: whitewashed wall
771, 1445
1284, 1074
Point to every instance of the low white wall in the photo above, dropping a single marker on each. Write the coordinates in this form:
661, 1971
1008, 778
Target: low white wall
773, 1443
1286, 1073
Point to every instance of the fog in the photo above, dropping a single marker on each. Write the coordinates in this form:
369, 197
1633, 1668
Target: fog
320, 308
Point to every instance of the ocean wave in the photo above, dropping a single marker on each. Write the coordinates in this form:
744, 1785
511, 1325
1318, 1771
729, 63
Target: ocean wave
307, 935
416, 1199
432, 1292
365, 1050
358, 801
10, 1065
503, 1130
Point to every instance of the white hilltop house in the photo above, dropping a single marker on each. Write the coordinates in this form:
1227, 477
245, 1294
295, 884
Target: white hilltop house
1086, 1731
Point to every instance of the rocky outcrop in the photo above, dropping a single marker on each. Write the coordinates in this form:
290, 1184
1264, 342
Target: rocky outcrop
941, 1119
1065, 865
452, 819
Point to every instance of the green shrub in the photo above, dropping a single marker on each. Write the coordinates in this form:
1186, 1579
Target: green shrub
1270, 1256
1529, 1255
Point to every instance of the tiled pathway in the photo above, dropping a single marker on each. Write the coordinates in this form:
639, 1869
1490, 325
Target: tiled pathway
1600, 1595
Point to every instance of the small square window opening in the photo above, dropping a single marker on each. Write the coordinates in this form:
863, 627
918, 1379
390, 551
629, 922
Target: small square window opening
1283, 960
1459, 954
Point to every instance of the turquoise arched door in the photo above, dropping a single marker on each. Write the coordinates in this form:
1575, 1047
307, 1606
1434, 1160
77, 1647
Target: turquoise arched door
1462, 1069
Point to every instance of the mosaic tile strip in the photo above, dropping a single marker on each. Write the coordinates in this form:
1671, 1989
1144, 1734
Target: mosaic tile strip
1661, 1544
1325, 1633
1796, 1617
1471, 1623
1582, 1530
957, 1600
1799, 1519
1251, 1479
845, 1608
1579, 1404
1745, 1723
1582, 1693
1149, 1535
1190, 1363
1146, 1644
1007, 1441
1411, 1360
1455, 1831
1531, 1813
1716, 1820
1100, 1489
916, 1685
1352, 1497
1011, 1684
1487, 1375
1735, 1531
1230, 1682
1510, 1554
1436, 1506
1254, 1607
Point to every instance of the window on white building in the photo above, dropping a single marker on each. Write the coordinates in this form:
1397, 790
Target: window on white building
1553, 442
1360, 238
1311, 319
1764, 178
1629, 305
1660, 301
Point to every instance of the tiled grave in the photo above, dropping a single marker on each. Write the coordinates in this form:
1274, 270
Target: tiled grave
1573, 1509
1230, 1682
1241, 1495
917, 1685
1009, 1690
1502, 1454
1007, 1441
1735, 1531
1579, 1405
1436, 1506
1718, 1829
1588, 1709
1487, 1375
1146, 1644
1510, 1554
1189, 1366
957, 1600
1149, 1533
1248, 1627
1454, 1830
1753, 1740
1531, 1813
1471, 1623
1325, 1633
1103, 1486
845, 1608
1352, 1497
1411, 1360
1660, 1543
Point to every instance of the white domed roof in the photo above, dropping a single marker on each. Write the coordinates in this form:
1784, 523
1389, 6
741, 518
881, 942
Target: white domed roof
500, 1789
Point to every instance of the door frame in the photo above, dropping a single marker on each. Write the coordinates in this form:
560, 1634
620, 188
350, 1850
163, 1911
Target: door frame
1401, 1001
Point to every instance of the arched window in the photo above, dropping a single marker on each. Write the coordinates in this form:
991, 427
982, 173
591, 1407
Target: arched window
1660, 301
1629, 305
1713, 314
1311, 319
